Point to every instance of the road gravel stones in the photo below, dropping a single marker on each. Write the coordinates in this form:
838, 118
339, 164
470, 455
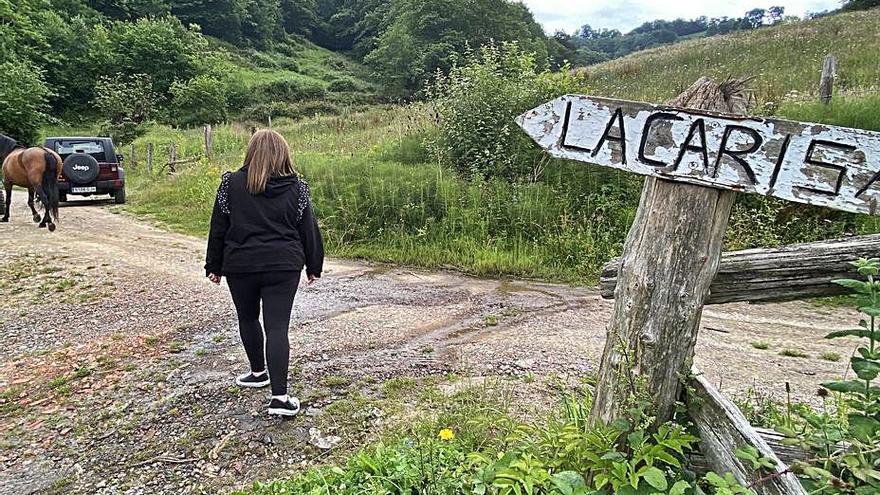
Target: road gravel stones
118, 358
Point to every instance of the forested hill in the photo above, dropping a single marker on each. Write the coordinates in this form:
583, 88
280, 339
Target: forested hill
190, 62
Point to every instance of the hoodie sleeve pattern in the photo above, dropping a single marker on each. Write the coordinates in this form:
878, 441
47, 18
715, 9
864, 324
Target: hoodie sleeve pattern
219, 227
223, 193
303, 201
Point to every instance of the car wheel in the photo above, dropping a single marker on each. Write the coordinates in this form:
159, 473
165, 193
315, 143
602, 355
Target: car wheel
120, 196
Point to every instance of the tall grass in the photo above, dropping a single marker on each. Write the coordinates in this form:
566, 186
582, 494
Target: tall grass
781, 59
378, 198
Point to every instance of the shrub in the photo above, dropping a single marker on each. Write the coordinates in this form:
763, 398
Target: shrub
125, 103
23, 94
201, 100
477, 104
262, 111
289, 90
343, 84
844, 436
161, 47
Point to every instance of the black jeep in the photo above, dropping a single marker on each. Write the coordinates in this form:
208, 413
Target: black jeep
91, 166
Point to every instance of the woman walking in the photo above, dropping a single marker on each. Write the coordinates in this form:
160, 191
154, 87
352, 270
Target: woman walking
263, 234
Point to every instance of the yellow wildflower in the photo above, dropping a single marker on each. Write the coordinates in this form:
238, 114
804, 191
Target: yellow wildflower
446, 434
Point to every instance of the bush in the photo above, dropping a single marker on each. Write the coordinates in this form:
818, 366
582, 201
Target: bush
125, 103
262, 111
343, 84
477, 104
289, 90
161, 47
23, 94
201, 100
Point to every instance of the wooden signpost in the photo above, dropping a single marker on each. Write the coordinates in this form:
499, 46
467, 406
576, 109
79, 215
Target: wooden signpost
815, 164
697, 152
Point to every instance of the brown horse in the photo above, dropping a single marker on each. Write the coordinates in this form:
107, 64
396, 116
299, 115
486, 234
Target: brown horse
38, 170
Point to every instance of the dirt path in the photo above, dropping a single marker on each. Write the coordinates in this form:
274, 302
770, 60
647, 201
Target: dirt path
117, 356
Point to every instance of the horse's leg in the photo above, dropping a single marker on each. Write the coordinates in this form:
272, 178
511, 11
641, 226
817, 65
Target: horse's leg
47, 220
31, 204
8, 201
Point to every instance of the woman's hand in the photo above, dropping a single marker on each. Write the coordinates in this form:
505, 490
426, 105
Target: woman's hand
313, 279
214, 278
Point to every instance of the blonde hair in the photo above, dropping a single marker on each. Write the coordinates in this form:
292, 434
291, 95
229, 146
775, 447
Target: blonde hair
268, 155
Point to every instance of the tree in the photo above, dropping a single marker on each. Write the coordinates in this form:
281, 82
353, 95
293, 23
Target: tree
300, 17
755, 18
130, 9
160, 47
860, 4
219, 18
125, 103
262, 22
201, 100
23, 93
427, 36
775, 14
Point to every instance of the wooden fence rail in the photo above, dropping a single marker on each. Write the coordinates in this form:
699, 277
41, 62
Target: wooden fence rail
797, 271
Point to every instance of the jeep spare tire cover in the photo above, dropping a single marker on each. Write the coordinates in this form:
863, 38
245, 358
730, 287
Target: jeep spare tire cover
81, 168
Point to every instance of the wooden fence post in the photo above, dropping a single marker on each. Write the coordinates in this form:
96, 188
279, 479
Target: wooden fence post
669, 259
826, 83
149, 158
132, 159
172, 159
270, 122
209, 142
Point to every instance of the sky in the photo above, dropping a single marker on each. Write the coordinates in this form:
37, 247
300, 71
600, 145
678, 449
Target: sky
625, 15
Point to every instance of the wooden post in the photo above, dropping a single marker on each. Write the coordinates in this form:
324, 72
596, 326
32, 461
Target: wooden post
132, 159
724, 430
172, 158
149, 158
270, 122
209, 142
669, 260
826, 83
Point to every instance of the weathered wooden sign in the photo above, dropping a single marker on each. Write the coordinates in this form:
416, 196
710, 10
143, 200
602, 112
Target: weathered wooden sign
815, 164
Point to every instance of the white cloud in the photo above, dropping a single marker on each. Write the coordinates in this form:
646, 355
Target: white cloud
628, 14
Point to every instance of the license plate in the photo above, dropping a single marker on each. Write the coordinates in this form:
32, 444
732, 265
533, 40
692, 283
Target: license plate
83, 189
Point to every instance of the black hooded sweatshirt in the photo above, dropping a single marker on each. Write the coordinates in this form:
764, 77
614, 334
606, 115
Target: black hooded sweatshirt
275, 230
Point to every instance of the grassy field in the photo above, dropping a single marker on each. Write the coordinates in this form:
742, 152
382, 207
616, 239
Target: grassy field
780, 59
380, 195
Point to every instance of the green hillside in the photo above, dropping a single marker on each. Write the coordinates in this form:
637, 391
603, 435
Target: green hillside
781, 59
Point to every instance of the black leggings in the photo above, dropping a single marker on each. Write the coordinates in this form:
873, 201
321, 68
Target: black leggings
276, 290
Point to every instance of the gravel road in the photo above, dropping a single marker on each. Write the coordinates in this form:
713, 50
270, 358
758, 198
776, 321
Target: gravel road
117, 356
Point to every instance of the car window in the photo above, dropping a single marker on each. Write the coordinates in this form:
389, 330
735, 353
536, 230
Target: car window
94, 148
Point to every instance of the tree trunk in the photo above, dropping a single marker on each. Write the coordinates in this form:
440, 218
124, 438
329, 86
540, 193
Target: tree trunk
670, 258
788, 273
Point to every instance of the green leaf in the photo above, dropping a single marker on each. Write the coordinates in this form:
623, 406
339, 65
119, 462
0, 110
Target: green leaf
635, 439
870, 310
655, 477
856, 332
679, 488
864, 428
864, 368
569, 482
856, 285
850, 386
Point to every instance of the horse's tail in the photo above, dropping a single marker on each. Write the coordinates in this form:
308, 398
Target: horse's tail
50, 183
